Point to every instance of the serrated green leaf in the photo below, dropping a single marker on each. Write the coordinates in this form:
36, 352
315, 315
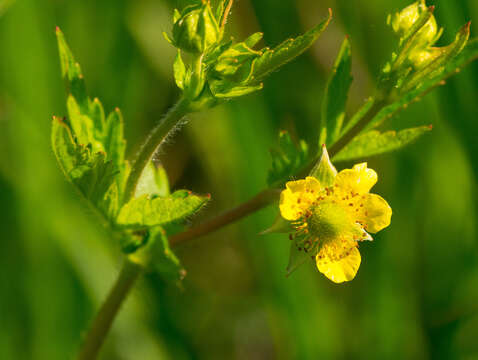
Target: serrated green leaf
375, 143
91, 173
335, 99
287, 159
324, 170
153, 181
179, 70
453, 66
148, 211
271, 60
89, 147
71, 72
81, 125
63, 145
95, 179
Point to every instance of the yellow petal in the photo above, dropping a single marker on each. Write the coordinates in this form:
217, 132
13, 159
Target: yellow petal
339, 268
374, 213
298, 197
360, 179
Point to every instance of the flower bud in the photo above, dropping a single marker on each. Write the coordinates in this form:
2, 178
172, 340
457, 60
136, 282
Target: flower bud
196, 29
235, 63
232, 71
422, 58
403, 21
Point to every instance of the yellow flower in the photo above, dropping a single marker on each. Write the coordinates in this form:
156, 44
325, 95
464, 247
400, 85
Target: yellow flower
330, 213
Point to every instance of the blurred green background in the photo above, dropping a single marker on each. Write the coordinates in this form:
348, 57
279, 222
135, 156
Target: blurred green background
415, 295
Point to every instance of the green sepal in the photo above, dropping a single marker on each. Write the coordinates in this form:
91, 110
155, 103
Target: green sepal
232, 70
168, 38
157, 256
176, 15
222, 13
280, 226
296, 258
254, 39
324, 170
179, 71
220, 10
224, 89
335, 99
195, 78
272, 59
234, 59
147, 211
375, 143
287, 159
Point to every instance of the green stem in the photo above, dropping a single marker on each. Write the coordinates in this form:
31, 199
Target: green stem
354, 131
154, 140
259, 201
103, 320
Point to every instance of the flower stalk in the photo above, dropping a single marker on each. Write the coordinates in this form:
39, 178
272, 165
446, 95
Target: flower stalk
270, 195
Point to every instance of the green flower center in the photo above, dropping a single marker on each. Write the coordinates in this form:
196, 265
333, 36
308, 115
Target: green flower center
328, 221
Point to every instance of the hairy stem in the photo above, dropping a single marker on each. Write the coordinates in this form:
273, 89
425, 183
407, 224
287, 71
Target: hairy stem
103, 320
154, 140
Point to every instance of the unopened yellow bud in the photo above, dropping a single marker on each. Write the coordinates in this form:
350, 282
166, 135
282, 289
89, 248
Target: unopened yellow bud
403, 21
